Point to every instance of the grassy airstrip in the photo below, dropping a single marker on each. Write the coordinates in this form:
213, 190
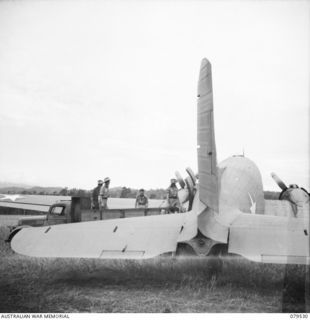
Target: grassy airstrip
159, 285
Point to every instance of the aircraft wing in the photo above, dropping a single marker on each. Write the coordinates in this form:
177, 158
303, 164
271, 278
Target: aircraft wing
129, 238
39, 203
25, 206
271, 239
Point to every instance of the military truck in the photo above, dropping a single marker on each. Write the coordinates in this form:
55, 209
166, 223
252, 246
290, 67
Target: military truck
78, 210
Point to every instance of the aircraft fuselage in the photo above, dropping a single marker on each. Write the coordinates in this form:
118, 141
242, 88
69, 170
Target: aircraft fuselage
240, 186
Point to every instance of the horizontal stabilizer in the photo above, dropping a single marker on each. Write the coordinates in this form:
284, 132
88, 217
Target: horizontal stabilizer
129, 238
270, 239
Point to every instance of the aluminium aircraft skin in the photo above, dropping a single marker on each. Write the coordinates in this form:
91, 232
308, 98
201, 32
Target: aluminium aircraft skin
228, 207
128, 238
233, 189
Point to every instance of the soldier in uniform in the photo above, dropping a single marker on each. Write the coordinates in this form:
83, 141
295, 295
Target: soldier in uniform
94, 196
103, 196
142, 200
172, 197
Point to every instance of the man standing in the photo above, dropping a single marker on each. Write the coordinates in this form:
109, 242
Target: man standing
172, 197
94, 196
103, 196
142, 200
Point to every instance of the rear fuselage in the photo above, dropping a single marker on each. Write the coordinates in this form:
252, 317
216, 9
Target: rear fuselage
240, 190
240, 186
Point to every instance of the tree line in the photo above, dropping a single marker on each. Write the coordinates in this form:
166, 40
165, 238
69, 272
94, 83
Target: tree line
116, 192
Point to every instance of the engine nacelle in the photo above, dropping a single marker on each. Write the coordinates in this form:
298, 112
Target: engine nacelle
298, 197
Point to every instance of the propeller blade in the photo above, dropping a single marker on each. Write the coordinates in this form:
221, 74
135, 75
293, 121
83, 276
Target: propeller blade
190, 185
191, 174
278, 181
180, 179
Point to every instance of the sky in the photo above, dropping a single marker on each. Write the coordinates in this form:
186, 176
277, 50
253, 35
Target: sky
90, 89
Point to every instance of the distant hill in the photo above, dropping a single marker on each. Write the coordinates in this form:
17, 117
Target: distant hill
17, 188
4, 184
12, 190
32, 190
47, 190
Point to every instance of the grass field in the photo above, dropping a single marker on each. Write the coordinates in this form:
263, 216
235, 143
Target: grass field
158, 285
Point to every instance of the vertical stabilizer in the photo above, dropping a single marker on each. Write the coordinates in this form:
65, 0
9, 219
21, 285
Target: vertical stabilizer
207, 164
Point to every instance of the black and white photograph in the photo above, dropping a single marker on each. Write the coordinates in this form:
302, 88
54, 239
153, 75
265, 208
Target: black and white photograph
154, 158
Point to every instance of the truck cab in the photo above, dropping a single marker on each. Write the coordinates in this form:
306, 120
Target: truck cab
58, 213
78, 210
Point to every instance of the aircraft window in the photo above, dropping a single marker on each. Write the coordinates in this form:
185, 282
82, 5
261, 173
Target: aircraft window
58, 210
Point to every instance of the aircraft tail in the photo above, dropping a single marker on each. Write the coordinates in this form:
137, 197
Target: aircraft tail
206, 149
